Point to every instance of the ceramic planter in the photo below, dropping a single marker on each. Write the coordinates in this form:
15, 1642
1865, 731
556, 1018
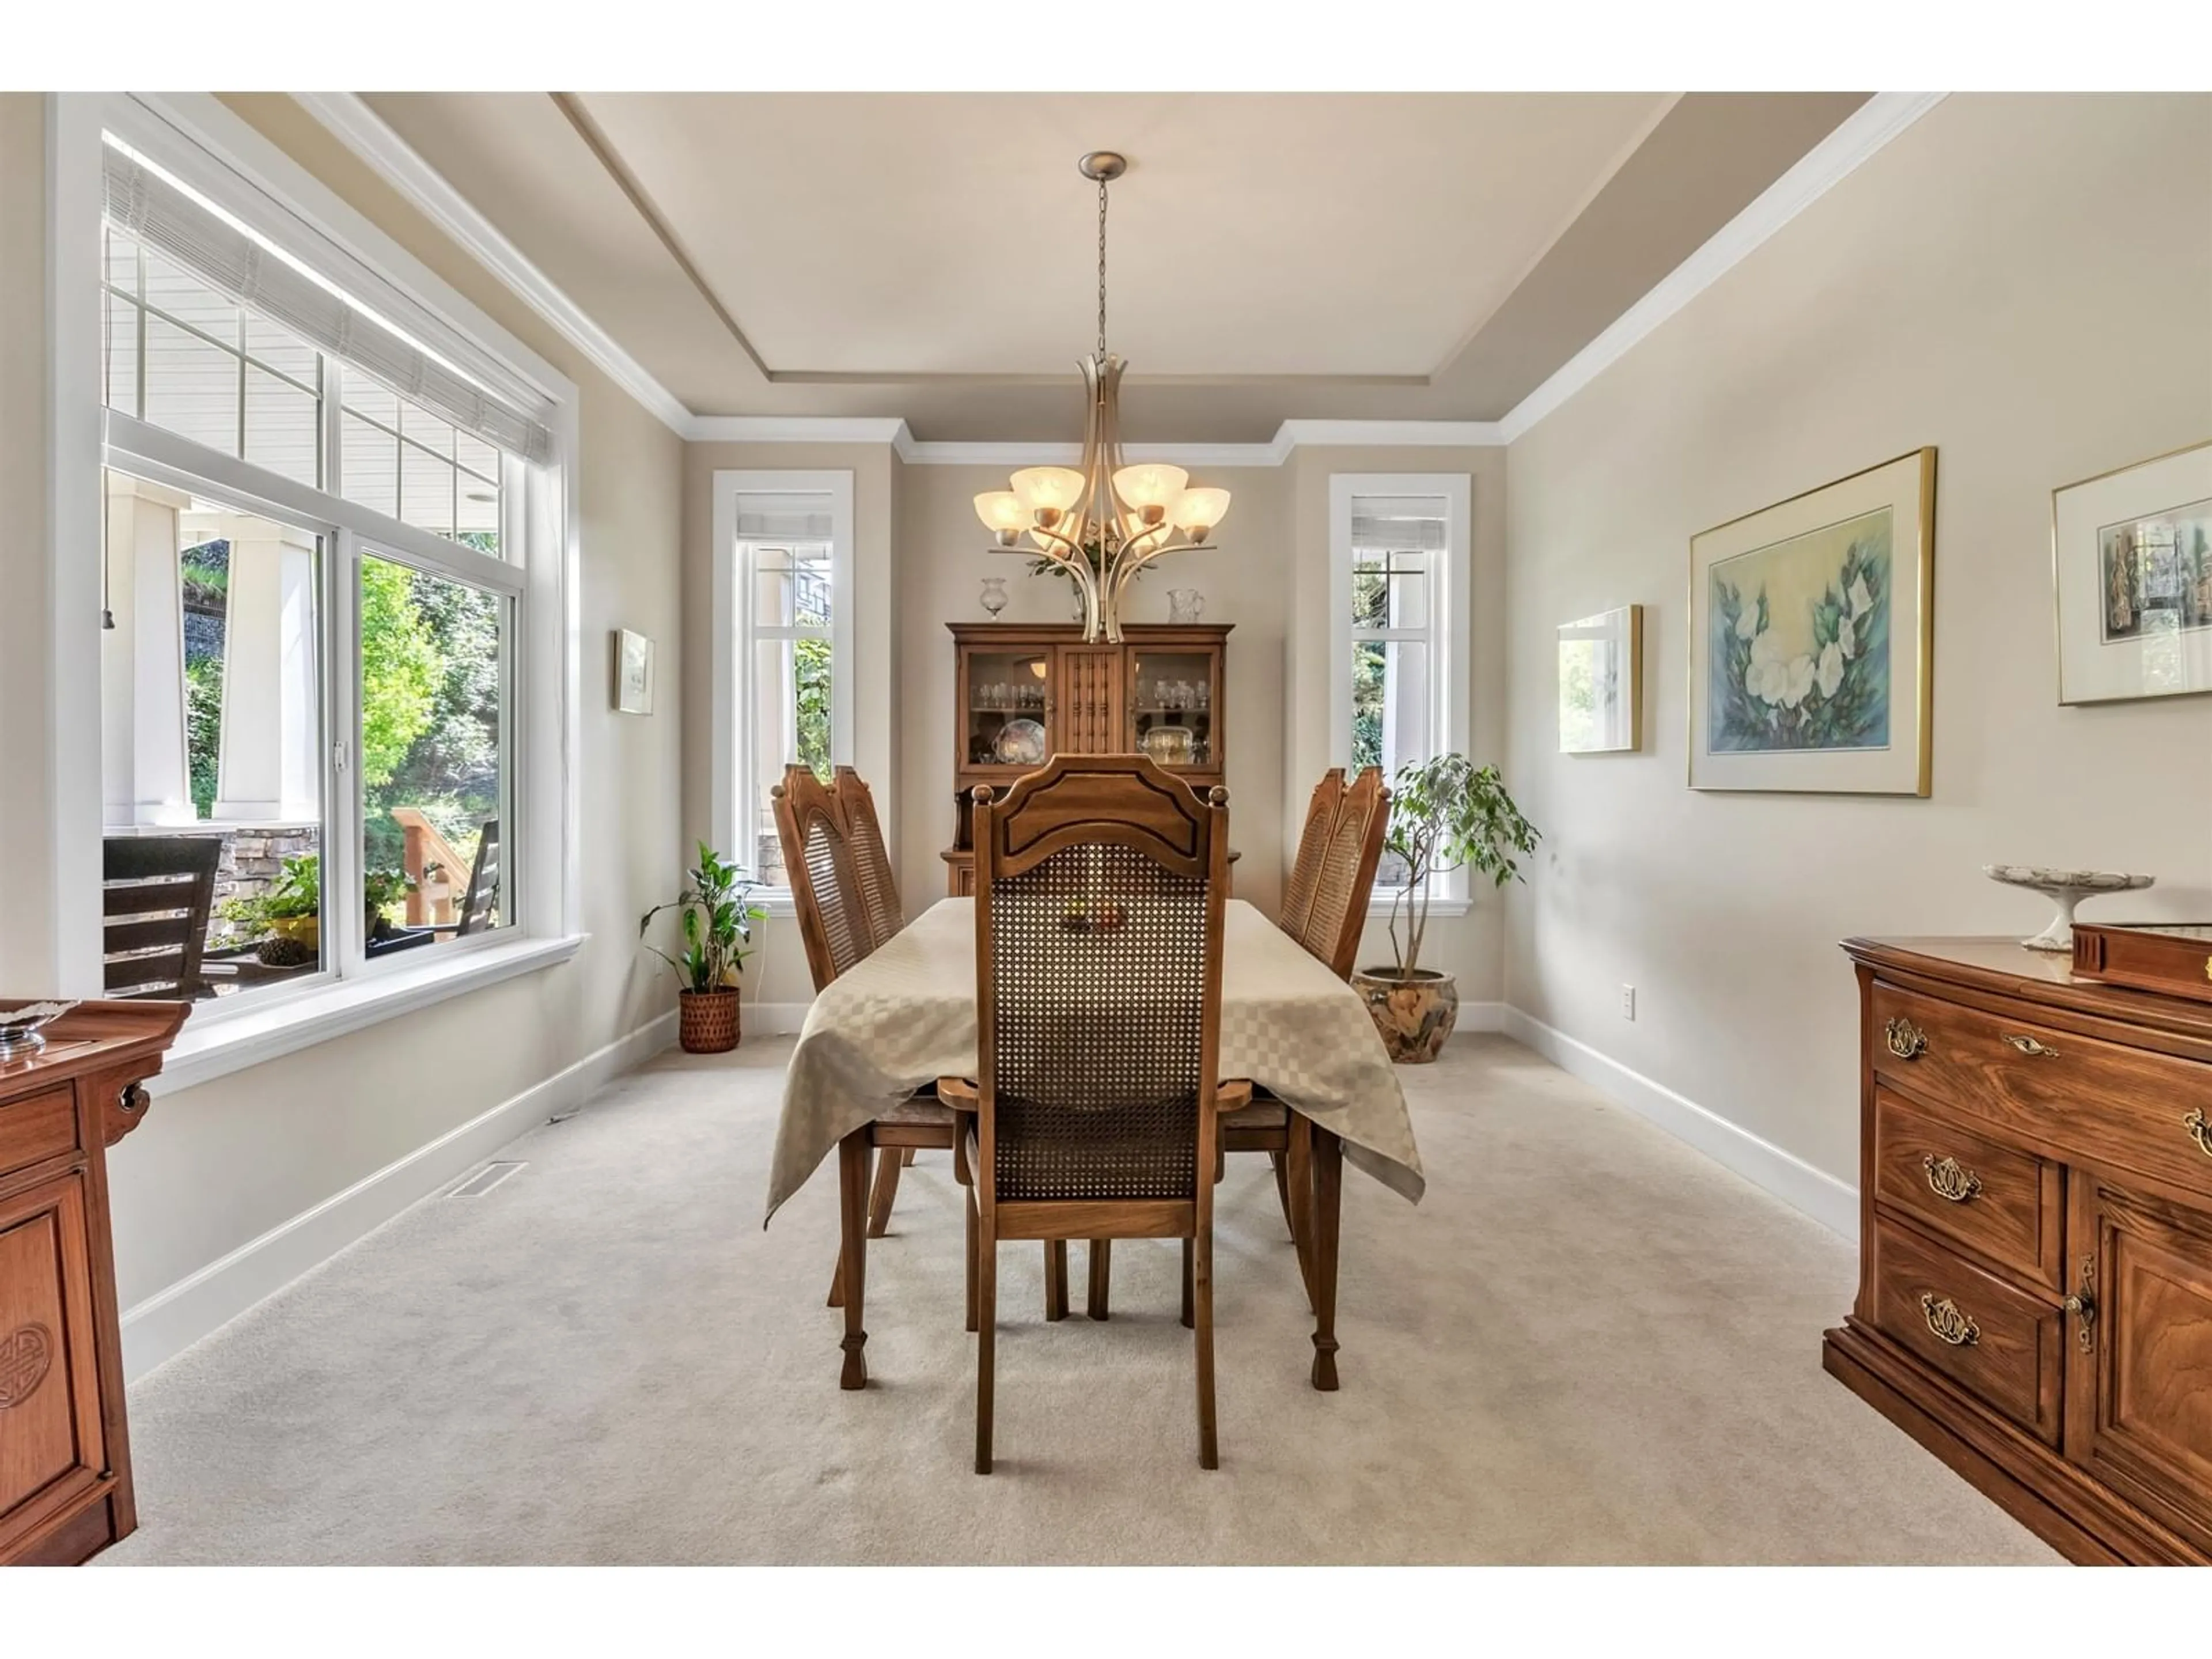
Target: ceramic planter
302, 930
706, 1021
1414, 1013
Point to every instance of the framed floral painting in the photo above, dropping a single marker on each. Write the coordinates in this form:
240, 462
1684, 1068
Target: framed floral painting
1810, 639
2131, 561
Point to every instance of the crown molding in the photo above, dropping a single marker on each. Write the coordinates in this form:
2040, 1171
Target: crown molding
360, 129
1858, 137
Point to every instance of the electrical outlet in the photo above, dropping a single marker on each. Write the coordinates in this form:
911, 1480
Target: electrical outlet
1628, 1002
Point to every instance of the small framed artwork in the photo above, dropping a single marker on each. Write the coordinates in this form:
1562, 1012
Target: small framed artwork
1811, 635
633, 672
2131, 561
1602, 682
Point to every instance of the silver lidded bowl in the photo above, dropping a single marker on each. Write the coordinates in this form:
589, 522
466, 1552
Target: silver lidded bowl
19, 1027
2066, 888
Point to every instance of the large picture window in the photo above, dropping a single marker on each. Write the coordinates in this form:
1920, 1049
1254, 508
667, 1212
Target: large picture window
315, 585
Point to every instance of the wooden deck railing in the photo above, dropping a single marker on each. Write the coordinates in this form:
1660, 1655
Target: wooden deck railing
431, 900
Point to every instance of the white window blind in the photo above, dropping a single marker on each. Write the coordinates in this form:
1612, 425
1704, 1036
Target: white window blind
1384, 524
784, 516
181, 228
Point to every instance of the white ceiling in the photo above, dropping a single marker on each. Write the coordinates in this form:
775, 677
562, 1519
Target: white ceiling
923, 234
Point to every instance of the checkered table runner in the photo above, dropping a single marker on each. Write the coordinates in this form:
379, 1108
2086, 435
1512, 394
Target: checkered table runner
905, 1016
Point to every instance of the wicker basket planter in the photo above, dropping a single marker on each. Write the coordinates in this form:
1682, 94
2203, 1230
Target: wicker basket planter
706, 1021
1415, 1011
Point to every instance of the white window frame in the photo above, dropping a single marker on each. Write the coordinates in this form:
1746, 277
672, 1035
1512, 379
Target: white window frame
194, 137
736, 629
1450, 630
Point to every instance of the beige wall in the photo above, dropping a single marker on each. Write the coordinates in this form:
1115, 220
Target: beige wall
26, 926
2024, 284
218, 1166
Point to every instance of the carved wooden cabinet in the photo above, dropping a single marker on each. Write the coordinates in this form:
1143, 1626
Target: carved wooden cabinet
1025, 692
65, 1448
2035, 1291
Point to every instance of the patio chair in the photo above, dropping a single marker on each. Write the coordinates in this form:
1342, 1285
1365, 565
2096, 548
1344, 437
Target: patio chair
157, 893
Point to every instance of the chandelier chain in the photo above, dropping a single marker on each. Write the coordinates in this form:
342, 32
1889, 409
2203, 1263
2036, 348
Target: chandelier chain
1102, 267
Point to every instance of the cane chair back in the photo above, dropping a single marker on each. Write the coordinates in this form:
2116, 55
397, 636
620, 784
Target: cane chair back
816, 832
871, 860
1313, 847
1345, 881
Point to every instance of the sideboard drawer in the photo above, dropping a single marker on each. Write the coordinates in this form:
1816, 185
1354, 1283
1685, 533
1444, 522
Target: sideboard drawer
2000, 1344
2103, 1103
37, 1127
2006, 1204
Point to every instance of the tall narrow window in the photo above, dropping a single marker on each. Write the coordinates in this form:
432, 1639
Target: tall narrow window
783, 670
1399, 558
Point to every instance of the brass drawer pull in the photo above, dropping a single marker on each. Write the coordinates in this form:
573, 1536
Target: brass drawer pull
2083, 1306
1949, 1325
1905, 1040
1948, 1178
2199, 1130
2028, 1045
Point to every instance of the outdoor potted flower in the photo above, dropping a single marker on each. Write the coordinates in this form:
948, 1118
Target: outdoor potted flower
381, 890
1444, 813
284, 919
718, 932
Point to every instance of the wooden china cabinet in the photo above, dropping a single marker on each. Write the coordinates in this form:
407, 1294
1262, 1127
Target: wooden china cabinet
2035, 1293
1024, 692
65, 1490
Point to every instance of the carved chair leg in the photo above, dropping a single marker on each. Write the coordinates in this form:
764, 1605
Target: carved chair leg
987, 1289
1299, 1168
885, 1192
1101, 1276
837, 1275
1189, 1320
1328, 1214
1055, 1278
853, 1191
970, 1197
1281, 1160
1201, 1250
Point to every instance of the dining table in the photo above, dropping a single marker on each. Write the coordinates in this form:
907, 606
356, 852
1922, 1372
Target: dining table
904, 1015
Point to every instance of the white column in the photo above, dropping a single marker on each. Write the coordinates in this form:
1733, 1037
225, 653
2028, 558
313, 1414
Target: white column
269, 768
144, 775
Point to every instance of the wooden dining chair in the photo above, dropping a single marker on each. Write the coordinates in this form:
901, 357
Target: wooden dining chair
1342, 846
157, 892
847, 905
1100, 885
1313, 847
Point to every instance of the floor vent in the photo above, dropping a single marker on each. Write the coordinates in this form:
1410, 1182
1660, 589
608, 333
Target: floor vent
484, 1180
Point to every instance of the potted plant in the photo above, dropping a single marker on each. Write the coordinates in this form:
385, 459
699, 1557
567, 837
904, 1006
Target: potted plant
718, 932
381, 890
1445, 813
286, 916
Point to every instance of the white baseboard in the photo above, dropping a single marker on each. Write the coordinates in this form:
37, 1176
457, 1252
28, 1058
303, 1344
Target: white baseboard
171, 1319
775, 1018
1834, 1204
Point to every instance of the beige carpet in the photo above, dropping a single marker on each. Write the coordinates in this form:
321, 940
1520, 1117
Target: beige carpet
1588, 1344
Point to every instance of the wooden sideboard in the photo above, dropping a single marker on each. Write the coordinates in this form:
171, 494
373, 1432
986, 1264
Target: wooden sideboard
1088, 699
2035, 1283
65, 1448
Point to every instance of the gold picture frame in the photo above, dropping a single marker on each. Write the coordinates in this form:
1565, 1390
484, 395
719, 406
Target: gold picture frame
2131, 579
1811, 627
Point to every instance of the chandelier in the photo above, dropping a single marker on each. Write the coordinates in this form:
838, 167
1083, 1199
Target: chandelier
1104, 522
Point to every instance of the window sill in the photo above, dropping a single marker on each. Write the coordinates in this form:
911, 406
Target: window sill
219, 1046
1444, 904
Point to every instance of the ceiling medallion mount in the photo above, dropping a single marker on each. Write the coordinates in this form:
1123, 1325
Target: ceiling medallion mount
1105, 521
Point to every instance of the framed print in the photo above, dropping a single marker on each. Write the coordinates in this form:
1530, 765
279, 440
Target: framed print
633, 672
2131, 566
1602, 682
1811, 632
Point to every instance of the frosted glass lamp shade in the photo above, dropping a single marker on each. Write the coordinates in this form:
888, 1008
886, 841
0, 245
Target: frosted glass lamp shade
1055, 488
1150, 484
1199, 510
1001, 509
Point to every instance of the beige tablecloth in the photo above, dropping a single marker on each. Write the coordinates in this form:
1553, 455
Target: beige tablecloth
905, 1016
